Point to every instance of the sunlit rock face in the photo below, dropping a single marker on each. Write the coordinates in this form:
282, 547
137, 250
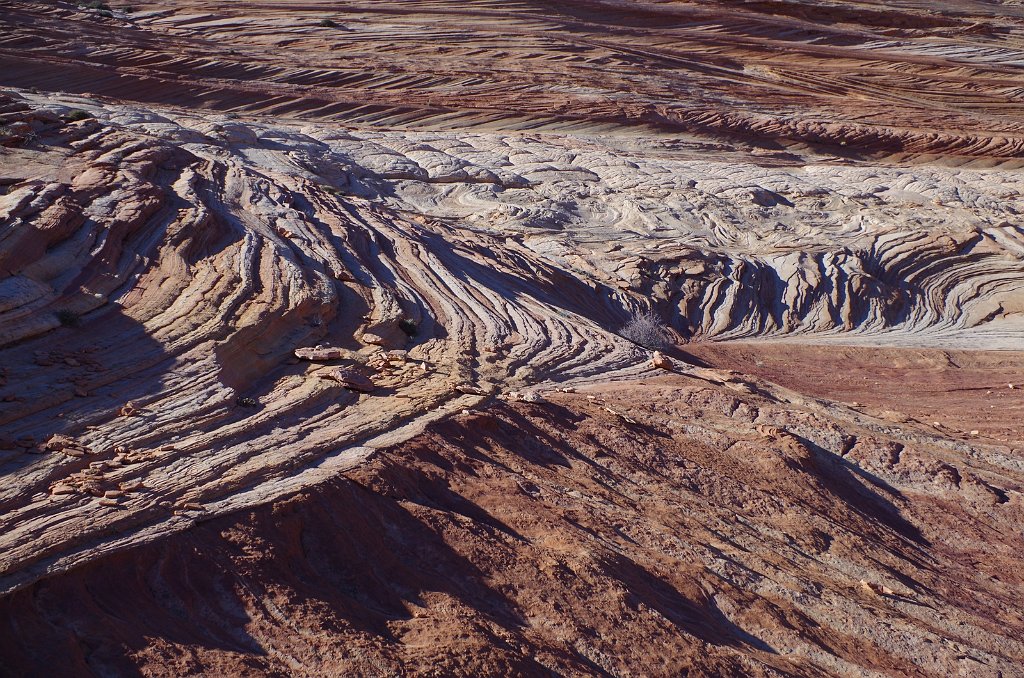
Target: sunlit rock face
377, 267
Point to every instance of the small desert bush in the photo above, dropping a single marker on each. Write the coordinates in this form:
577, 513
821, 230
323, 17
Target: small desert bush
77, 114
408, 326
647, 330
327, 23
68, 318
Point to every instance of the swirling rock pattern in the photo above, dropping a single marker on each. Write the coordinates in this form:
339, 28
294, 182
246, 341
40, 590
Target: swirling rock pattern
244, 255
194, 265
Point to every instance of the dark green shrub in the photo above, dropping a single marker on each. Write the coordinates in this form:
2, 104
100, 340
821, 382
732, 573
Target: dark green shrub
68, 318
408, 326
327, 23
78, 114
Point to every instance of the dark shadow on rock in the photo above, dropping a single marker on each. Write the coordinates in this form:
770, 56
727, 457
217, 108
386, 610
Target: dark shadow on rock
847, 482
702, 620
356, 555
75, 376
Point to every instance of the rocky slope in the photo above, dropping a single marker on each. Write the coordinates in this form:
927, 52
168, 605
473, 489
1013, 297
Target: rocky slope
679, 525
264, 280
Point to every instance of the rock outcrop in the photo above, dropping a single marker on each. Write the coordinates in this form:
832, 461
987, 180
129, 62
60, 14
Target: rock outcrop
273, 271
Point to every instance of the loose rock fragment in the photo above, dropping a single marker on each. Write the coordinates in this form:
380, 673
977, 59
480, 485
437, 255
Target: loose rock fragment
876, 589
321, 353
661, 361
351, 379
379, 361
58, 442
769, 431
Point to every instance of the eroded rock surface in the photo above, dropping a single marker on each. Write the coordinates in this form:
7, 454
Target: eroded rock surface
273, 272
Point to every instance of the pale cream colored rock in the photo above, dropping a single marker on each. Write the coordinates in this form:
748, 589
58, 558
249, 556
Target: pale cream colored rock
321, 353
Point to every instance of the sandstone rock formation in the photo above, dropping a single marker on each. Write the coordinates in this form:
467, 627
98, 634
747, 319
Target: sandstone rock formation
221, 223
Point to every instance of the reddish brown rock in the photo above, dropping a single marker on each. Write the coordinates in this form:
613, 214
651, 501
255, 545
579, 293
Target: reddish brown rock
351, 379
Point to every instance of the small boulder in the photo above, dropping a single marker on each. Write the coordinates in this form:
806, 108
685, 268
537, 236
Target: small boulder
321, 353
661, 361
351, 379
58, 442
373, 339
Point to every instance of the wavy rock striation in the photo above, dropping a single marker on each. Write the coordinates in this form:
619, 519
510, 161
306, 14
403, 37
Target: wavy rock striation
897, 80
247, 250
167, 267
677, 526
